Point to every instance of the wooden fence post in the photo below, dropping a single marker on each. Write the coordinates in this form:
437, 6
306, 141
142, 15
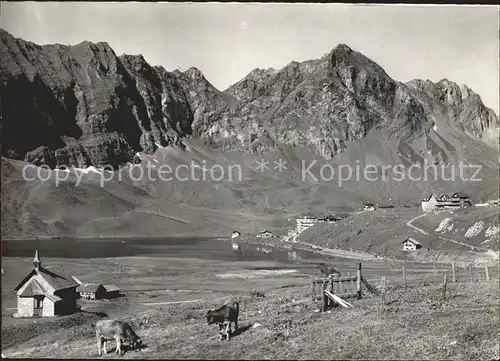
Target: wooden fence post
445, 283
325, 297
470, 273
332, 290
336, 288
453, 272
313, 291
404, 276
486, 271
358, 280
384, 281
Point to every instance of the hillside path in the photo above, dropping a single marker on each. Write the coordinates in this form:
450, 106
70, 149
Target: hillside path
409, 224
416, 228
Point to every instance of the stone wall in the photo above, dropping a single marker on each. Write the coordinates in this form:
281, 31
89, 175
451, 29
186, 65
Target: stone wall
48, 307
25, 306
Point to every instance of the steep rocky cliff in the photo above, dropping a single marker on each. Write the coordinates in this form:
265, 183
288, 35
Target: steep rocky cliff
83, 105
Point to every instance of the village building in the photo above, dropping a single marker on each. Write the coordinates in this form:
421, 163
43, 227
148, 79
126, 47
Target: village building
443, 197
112, 291
46, 292
235, 234
456, 201
330, 219
369, 206
92, 291
265, 250
429, 204
462, 199
265, 234
411, 244
306, 222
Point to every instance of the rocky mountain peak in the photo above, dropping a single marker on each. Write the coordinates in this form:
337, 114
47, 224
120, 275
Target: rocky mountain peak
99, 46
87, 106
341, 50
194, 73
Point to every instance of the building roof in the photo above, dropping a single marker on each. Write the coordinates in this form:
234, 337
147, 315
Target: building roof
53, 298
310, 215
428, 198
412, 241
332, 218
459, 195
110, 288
53, 276
89, 287
56, 278
266, 231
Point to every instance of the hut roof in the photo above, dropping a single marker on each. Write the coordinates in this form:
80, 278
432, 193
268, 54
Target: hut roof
89, 287
110, 288
412, 241
53, 298
53, 276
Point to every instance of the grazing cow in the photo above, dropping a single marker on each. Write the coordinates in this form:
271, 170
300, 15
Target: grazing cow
115, 330
328, 270
223, 316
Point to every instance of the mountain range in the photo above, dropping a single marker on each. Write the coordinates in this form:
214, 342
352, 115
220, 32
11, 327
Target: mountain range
85, 107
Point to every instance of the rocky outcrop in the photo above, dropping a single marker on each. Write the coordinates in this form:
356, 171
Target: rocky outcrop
83, 105
460, 104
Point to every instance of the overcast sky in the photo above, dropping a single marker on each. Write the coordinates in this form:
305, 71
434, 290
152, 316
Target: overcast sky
226, 41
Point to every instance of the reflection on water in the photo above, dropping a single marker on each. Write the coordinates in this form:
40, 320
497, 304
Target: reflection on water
204, 248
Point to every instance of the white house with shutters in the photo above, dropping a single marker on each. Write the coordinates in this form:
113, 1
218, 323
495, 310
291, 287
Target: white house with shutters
411, 244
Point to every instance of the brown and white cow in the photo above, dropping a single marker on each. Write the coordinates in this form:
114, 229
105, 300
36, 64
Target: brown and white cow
115, 330
224, 316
